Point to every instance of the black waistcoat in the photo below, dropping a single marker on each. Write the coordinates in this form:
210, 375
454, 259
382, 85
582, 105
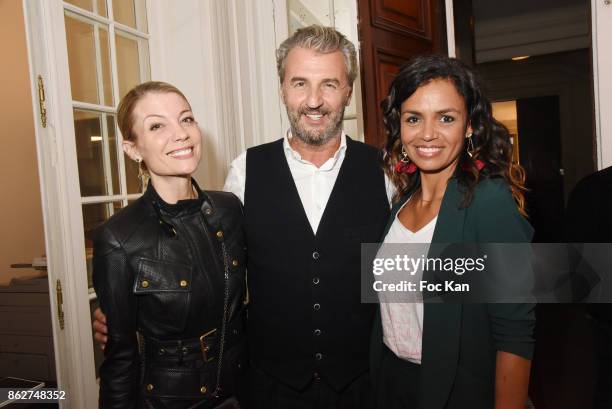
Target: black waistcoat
306, 317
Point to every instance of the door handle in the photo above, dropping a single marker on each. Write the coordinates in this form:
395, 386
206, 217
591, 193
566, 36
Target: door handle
60, 303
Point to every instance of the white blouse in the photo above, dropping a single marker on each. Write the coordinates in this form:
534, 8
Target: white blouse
403, 321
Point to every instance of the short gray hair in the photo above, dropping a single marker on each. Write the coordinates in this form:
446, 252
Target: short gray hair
323, 40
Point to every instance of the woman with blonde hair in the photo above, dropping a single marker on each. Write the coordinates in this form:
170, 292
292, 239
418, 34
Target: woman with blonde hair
169, 270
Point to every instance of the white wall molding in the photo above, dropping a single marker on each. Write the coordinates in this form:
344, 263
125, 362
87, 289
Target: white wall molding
602, 82
309, 12
256, 78
221, 55
192, 58
450, 28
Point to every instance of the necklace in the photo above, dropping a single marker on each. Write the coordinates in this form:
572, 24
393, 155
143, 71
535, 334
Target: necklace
435, 199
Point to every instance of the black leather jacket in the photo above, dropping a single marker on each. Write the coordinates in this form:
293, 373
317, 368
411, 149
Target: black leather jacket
160, 275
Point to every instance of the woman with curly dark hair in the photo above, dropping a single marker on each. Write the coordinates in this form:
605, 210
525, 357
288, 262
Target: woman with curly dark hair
451, 162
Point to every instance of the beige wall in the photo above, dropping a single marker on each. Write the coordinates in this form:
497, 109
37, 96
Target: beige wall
21, 224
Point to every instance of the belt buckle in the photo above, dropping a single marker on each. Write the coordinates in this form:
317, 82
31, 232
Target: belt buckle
205, 348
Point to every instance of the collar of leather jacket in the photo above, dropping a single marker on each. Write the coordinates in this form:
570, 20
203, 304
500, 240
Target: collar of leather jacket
182, 207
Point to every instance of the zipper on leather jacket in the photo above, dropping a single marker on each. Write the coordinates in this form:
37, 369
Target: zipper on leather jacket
166, 225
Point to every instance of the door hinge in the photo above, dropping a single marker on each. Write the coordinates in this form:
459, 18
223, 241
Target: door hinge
60, 302
41, 102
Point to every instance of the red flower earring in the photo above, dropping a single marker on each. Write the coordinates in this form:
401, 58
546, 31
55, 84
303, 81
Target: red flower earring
405, 165
470, 151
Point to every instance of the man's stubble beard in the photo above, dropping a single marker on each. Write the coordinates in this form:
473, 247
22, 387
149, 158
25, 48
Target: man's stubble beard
316, 138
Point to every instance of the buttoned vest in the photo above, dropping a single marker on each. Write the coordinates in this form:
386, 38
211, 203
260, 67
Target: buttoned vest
305, 317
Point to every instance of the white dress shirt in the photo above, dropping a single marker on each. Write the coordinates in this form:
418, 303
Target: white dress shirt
314, 184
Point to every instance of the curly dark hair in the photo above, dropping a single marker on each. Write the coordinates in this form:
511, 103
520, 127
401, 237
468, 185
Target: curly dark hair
491, 139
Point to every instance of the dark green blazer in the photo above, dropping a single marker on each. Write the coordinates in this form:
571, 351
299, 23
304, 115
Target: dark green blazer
460, 341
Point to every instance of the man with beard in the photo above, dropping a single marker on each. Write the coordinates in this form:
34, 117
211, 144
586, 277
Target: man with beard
310, 199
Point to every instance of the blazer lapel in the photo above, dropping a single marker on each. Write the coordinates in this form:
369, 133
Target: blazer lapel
376, 342
442, 322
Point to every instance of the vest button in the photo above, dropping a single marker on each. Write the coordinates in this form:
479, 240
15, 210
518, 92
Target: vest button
144, 284
317, 331
316, 255
317, 307
203, 390
183, 283
208, 212
235, 263
220, 234
318, 356
150, 387
315, 280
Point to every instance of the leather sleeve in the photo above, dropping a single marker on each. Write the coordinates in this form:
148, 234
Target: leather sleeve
113, 282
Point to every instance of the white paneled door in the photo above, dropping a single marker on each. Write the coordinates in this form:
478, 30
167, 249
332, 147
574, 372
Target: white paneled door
84, 56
